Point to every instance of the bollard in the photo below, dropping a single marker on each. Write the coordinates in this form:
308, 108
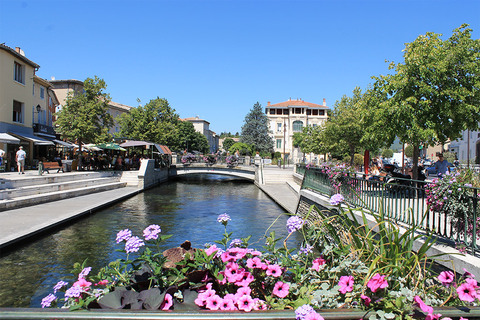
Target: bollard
40, 168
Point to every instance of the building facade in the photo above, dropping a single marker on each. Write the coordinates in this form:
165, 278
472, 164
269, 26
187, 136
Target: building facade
203, 127
467, 148
288, 117
25, 102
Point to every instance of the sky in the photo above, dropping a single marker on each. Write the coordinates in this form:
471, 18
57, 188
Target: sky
216, 58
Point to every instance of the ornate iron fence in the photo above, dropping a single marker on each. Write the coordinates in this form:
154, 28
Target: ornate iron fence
403, 201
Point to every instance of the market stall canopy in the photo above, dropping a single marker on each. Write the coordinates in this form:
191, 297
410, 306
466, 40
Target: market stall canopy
89, 147
135, 143
63, 143
36, 140
110, 146
6, 138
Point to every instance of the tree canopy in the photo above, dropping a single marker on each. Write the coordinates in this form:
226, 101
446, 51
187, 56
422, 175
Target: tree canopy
434, 94
190, 140
255, 130
155, 122
84, 117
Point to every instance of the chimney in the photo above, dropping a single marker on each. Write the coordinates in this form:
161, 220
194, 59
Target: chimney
268, 103
324, 102
20, 51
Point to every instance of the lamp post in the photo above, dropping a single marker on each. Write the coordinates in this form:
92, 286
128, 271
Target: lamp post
284, 141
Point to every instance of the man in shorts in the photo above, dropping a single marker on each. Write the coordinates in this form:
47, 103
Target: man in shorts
20, 158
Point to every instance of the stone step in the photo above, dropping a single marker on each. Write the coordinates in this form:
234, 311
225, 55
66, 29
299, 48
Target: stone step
29, 180
6, 194
30, 200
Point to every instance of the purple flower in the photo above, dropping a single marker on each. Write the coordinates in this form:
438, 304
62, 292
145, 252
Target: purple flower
73, 292
151, 232
47, 301
84, 272
59, 285
307, 249
336, 199
294, 223
236, 243
223, 218
303, 311
124, 234
133, 244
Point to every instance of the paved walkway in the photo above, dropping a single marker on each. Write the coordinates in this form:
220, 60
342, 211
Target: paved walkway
280, 187
22, 223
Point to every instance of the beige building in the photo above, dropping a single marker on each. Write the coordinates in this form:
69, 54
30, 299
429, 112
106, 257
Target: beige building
203, 127
292, 116
25, 102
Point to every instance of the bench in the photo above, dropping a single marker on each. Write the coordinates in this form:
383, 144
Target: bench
52, 165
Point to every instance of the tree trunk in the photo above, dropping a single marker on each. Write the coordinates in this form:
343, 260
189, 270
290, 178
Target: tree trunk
352, 154
416, 152
79, 159
366, 160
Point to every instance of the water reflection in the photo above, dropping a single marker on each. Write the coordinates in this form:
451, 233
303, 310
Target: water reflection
186, 208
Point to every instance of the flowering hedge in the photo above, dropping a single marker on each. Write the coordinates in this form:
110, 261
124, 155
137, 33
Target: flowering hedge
453, 195
229, 275
188, 158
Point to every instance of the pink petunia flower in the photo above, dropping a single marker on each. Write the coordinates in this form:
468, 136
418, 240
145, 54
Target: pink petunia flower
245, 303
82, 283
102, 282
281, 289
446, 277
259, 304
366, 300
167, 302
254, 263
214, 302
432, 316
228, 304
377, 282
233, 272
274, 270
313, 316
467, 292
346, 284
211, 250
243, 291
422, 305
317, 263
245, 279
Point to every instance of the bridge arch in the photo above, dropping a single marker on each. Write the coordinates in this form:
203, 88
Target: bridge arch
247, 173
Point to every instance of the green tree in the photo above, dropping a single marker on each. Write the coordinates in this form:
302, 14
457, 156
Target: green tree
84, 117
434, 94
242, 148
409, 151
345, 129
154, 122
227, 143
387, 153
255, 130
189, 139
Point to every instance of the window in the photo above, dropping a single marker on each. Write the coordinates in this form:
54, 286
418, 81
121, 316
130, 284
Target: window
315, 112
17, 111
19, 73
279, 143
279, 111
297, 126
285, 112
272, 111
42, 93
279, 127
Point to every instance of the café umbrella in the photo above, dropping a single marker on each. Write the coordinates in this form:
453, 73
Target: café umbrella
110, 146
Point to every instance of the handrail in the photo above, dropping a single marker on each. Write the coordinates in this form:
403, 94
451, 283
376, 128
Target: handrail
404, 201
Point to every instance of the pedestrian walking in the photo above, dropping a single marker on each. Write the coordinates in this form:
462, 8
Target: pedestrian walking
20, 158
2, 154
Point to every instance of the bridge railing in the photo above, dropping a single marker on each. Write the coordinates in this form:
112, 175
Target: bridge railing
403, 201
209, 160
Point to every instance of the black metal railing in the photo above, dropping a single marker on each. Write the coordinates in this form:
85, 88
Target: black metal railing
401, 200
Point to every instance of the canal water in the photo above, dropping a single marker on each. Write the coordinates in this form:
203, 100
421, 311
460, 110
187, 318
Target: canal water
186, 208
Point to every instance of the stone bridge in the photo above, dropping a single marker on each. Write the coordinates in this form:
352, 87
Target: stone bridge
243, 172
